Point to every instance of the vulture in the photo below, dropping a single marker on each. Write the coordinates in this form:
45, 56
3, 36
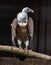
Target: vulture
22, 28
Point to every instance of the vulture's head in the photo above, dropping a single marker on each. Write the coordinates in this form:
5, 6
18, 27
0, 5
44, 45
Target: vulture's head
27, 10
22, 17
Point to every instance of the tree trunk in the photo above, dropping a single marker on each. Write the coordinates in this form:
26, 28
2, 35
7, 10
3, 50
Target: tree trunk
22, 52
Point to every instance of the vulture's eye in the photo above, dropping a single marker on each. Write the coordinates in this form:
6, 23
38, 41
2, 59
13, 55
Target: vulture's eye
27, 9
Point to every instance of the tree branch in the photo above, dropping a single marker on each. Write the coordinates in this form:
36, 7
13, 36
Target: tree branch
22, 52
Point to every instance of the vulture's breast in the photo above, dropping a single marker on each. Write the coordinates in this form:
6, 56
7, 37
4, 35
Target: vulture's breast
22, 33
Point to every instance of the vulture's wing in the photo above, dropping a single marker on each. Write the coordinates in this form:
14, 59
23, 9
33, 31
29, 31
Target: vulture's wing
31, 27
13, 27
14, 23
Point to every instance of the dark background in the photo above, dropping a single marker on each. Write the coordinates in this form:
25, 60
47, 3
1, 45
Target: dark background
41, 17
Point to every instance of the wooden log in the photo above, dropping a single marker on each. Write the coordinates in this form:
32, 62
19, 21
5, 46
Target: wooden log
22, 52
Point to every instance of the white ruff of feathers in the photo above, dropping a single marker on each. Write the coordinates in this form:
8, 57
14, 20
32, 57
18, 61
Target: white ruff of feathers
23, 16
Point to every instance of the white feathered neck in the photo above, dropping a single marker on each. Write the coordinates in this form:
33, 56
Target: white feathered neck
23, 16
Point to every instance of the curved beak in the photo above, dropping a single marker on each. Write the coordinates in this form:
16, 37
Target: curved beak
32, 11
